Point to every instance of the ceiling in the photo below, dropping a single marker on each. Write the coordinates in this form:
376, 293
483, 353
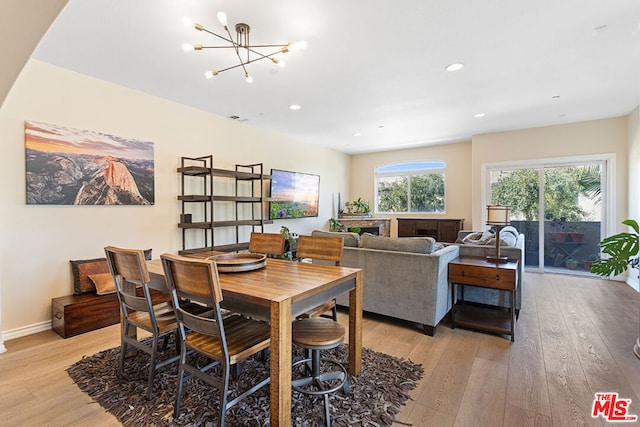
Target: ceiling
372, 67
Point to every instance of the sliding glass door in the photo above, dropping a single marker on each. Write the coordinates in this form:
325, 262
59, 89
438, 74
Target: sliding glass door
559, 208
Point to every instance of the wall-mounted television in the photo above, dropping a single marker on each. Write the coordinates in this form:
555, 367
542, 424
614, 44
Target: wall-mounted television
293, 194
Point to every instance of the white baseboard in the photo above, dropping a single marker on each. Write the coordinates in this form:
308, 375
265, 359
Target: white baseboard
25, 330
2, 347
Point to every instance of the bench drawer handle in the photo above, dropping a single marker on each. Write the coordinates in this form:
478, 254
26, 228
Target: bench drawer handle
58, 315
478, 276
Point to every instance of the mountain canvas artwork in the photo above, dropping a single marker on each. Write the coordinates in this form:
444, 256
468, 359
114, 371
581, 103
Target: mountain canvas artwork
67, 166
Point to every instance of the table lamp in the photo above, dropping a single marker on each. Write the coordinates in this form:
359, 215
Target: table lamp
498, 216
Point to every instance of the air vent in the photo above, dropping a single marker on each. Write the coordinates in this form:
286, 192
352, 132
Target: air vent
237, 118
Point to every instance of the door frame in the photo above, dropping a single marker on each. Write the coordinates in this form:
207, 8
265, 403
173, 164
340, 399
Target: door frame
608, 190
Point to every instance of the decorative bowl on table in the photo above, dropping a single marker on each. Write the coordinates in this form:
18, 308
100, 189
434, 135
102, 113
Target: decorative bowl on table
239, 262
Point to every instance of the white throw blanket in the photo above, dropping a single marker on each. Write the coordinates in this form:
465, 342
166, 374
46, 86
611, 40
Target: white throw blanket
508, 237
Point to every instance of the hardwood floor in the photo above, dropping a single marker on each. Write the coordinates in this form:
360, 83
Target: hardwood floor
574, 338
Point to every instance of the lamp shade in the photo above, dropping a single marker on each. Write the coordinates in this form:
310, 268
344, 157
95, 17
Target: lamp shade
498, 215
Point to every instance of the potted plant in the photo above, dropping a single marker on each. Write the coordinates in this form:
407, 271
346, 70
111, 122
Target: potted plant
335, 225
586, 263
357, 208
622, 252
289, 242
571, 263
557, 224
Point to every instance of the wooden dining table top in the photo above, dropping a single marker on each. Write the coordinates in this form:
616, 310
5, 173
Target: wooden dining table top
279, 279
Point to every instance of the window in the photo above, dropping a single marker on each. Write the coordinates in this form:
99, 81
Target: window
410, 187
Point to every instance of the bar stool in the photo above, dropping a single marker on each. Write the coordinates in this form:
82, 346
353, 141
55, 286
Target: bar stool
315, 334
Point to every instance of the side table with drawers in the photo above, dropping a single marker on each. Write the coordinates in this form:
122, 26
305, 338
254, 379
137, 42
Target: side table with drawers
477, 271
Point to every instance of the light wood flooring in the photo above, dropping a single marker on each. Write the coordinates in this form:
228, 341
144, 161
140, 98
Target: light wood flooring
574, 337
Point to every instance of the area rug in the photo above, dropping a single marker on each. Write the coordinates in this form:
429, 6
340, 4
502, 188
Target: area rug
377, 393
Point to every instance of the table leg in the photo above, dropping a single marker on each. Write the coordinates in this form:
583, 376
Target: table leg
513, 314
355, 326
280, 388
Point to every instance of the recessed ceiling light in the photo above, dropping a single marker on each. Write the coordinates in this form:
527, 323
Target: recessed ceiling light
478, 115
294, 107
455, 66
357, 134
555, 97
380, 126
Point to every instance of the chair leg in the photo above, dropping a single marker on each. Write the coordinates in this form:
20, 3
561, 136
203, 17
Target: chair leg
152, 365
334, 312
223, 394
327, 416
183, 359
123, 350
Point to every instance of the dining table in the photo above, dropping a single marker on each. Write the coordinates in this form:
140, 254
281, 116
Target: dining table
278, 293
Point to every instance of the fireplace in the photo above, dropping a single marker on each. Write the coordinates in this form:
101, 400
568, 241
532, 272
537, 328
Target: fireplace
371, 230
377, 226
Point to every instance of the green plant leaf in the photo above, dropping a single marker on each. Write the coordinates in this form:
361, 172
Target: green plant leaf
622, 245
633, 224
609, 266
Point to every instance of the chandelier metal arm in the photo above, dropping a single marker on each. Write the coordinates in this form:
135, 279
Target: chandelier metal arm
242, 42
235, 45
248, 62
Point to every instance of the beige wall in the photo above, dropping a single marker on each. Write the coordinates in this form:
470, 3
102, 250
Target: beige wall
457, 178
571, 140
38, 241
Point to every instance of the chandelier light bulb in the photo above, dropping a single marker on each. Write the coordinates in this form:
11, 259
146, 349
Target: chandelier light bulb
248, 78
299, 45
186, 21
222, 18
281, 63
187, 47
209, 74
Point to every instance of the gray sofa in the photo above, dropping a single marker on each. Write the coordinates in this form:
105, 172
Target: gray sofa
482, 248
403, 278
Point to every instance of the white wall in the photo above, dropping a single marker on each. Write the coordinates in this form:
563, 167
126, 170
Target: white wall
38, 241
633, 162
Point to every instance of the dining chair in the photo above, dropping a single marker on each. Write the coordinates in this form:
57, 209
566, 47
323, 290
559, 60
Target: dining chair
325, 249
225, 340
266, 243
129, 270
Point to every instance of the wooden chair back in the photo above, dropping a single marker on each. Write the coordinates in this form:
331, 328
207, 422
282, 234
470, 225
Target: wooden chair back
129, 270
321, 248
191, 279
267, 243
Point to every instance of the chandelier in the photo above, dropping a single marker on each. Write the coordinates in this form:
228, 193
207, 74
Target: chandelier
244, 50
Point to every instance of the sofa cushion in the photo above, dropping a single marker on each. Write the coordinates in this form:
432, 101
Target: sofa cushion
351, 240
420, 245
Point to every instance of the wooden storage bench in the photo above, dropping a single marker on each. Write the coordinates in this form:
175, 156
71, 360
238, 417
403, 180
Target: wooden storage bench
85, 310
75, 314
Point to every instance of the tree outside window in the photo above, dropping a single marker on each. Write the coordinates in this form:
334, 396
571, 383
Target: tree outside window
410, 187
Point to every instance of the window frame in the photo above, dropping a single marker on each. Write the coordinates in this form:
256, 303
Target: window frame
413, 168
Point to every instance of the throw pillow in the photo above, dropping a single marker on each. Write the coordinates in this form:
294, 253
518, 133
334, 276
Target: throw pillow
104, 283
420, 245
82, 269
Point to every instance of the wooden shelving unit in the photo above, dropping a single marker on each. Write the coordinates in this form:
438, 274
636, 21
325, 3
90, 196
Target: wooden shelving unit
202, 204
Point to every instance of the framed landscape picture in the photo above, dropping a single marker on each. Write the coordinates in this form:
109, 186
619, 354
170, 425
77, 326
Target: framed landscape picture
67, 166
